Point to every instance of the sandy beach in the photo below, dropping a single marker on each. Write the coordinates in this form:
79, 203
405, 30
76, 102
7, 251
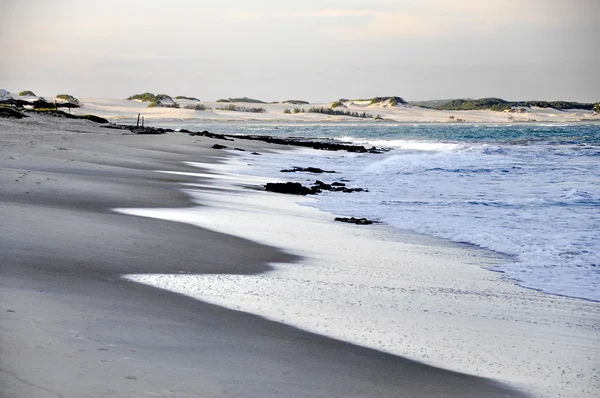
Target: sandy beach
72, 326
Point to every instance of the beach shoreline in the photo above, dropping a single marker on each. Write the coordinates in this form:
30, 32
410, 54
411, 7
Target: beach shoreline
458, 315
72, 326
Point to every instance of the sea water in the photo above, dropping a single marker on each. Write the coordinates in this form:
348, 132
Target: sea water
529, 191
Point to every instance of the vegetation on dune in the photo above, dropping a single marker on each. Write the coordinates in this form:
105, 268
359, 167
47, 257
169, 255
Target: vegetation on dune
27, 93
296, 102
498, 104
339, 103
234, 108
335, 112
145, 97
273, 102
59, 113
393, 101
243, 99
198, 107
157, 100
68, 98
296, 110
597, 108
187, 98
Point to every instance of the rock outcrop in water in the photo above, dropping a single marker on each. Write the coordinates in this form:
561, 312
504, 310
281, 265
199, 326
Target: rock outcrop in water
295, 188
314, 170
352, 220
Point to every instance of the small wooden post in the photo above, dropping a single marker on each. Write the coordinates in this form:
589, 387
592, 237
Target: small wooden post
142, 121
138, 121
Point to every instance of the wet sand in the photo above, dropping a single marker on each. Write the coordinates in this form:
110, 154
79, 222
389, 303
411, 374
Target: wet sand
72, 327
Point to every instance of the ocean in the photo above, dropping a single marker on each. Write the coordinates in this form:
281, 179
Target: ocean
530, 191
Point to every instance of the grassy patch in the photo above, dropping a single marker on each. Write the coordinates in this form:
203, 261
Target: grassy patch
27, 93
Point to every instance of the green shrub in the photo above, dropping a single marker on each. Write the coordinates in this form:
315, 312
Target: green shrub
68, 98
299, 110
27, 93
296, 102
393, 100
287, 111
198, 107
335, 112
234, 108
145, 97
242, 99
597, 108
338, 103
187, 98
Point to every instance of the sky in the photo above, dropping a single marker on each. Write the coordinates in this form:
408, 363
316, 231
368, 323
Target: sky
314, 50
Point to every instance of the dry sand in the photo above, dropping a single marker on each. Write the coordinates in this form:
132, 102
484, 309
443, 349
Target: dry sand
72, 327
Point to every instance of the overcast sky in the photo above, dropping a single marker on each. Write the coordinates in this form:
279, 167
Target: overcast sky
315, 50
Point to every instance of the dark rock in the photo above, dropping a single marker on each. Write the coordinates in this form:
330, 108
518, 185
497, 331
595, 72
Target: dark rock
323, 145
211, 135
7, 112
352, 220
256, 153
293, 188
320, 186
314, 170
218, 146
239, 149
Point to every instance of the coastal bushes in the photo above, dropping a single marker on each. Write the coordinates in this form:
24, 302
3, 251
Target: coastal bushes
336, 112
235, 108
296, 102
393, 101
597, 108
145, 97
68, 98
27, 93
243, 99
187, 98
296, 110
198, 107
338, 103
498, 104
158, 100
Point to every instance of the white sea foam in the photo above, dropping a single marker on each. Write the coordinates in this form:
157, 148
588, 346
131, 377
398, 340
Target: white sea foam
537, 205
